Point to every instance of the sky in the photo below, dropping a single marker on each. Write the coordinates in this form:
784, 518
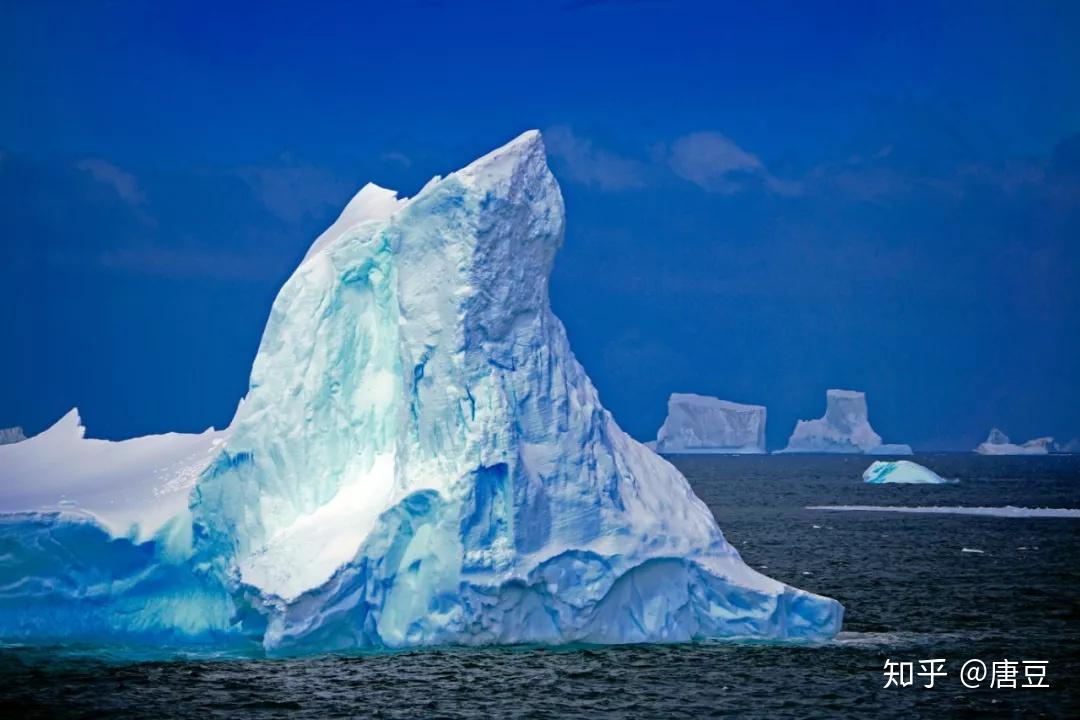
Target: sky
764, 200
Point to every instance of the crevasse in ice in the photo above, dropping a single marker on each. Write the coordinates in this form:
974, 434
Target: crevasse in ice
421, 460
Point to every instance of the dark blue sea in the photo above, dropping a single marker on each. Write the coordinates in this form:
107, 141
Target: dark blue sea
910, 589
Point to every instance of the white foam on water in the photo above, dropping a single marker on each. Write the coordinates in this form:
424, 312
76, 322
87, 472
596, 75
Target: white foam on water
1008, 511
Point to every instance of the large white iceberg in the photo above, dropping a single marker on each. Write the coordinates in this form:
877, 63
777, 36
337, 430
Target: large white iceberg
845, 428
702, 424
420, 460
998, 443
901, 471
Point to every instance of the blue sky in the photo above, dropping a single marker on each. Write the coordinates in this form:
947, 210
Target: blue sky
763, 202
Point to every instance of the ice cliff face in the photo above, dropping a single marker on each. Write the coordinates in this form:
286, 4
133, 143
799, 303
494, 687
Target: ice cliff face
998, 443
701, 424
844, 429
421, 460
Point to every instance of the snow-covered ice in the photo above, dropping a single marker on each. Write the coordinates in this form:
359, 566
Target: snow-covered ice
845, 428
1006, 512
998, 443
419, 460
902, 471
132, 487
702, 424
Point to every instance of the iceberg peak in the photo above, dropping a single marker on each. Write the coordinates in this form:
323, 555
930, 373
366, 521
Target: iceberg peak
421, 460
439, 446
372, 203
70, 424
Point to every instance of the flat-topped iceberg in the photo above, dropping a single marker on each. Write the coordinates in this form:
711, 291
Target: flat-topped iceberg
420, 460
845, 428
998, 443
902, 471
702, 424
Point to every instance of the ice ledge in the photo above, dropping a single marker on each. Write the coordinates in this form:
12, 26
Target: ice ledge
372, 203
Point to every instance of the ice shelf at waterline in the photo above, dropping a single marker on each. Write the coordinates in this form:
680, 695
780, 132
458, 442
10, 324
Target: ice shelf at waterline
703, 424
419, 460
903, 472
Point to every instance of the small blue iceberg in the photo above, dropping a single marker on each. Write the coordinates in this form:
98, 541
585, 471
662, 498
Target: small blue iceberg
902, 471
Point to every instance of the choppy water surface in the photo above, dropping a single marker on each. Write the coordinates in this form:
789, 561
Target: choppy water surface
911, 592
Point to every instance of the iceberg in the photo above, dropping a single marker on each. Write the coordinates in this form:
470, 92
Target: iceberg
96, 536
998, 443
902, 471
11, 435
420, 460
845, 428
702, 424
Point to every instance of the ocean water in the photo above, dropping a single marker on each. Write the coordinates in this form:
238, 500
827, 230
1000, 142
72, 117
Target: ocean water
913, 587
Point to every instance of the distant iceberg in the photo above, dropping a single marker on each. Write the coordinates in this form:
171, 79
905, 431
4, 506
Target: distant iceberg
702, 424
902, 471
11, 435
998, 443
845, 428
420, 460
